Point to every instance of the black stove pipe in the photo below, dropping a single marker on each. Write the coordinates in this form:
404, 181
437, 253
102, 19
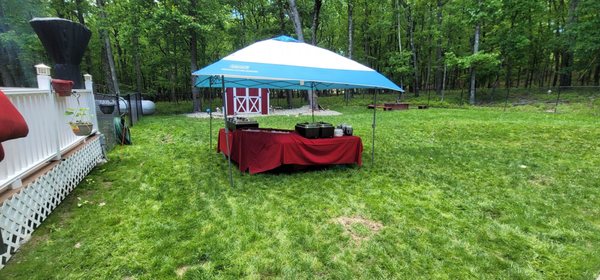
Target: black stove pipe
65, 42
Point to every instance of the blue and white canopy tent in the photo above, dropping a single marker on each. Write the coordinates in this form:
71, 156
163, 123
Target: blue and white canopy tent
286, 63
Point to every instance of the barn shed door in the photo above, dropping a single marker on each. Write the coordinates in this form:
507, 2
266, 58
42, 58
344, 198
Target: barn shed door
247, 101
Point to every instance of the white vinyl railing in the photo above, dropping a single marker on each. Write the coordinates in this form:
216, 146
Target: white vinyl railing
49, 132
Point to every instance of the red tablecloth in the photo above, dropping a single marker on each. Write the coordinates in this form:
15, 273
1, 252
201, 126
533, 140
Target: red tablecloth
259, 150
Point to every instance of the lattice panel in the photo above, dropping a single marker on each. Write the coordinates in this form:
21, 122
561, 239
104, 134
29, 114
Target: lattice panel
24, 212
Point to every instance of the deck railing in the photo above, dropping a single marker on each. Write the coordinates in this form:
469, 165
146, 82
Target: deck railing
49, 132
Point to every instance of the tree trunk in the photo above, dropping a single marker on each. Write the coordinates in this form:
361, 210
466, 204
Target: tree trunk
532, 72
567, 55
295, 16
8, 79
138, 64
120, 57
473, 71
288, 97
494, 86
79, 11
350, 28
5, 75
108, 52
411, 31
597, 75
11, 70
173, 74
109, 88
135, 40
194, 67
428, 72
556, 67
280, 4
81, 19
398, 24
508, 81
315, 23
519, 77
366, 38
438, 51
194, 60
444, 82
399, 34
60, 11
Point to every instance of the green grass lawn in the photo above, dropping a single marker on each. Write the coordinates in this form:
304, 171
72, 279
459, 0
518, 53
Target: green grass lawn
453, 194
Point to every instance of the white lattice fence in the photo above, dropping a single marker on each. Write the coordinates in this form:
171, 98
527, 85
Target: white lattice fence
25, 210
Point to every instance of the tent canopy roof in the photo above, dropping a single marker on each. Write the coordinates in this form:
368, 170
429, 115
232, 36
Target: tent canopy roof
286, 63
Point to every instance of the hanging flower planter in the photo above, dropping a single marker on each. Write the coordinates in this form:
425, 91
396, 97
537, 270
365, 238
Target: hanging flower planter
82, 129
62, 87
80, 125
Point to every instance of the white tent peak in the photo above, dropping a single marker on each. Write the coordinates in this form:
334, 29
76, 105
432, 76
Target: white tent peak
285, 50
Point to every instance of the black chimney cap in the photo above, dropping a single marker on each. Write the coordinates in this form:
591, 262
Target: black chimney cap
64, 40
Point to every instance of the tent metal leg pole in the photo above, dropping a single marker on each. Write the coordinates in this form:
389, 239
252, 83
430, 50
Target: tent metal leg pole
226, 130
311, 93
210, 116
312, 105
374, 124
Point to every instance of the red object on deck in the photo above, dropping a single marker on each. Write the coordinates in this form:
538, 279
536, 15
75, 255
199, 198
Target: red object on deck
260, 150
62, 87
12, 123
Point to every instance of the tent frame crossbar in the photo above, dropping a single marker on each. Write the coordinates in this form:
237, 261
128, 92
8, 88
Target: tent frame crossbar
280, 84
226, 130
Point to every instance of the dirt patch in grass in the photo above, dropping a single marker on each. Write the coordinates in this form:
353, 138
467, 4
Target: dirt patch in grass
167, 139
38, 239
360, 229
540, 181
182, 270
88, 193
64, 217
107, 184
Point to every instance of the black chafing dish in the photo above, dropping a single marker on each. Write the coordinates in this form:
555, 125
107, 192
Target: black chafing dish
326, 130
315, 130
308, 130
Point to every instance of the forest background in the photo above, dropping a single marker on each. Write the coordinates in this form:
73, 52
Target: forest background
421, 44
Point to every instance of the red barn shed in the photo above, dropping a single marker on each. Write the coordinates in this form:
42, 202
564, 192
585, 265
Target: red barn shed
247, 101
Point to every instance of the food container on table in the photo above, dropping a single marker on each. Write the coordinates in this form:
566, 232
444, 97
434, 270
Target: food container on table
308, 130
346, 128
338, 132
240, 123
326, 130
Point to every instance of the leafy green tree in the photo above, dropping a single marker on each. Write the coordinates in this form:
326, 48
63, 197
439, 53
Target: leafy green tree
425, 44
19, 47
